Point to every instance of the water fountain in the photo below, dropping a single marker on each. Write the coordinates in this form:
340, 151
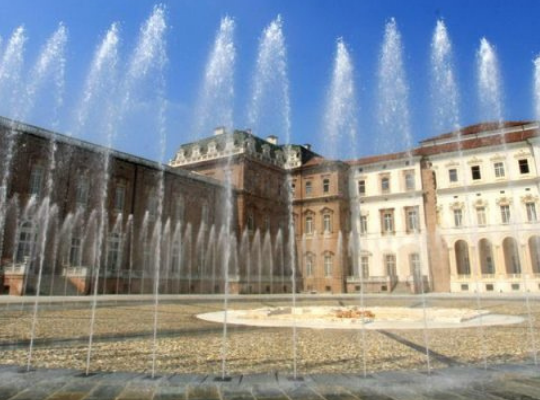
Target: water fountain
174, 266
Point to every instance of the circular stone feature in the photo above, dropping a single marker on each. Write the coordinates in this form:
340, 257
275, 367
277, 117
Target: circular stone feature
325, 317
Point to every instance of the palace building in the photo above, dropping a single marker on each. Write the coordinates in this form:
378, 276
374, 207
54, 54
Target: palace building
457, 213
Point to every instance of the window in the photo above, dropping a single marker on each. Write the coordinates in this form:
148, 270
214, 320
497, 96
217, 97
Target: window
81, 194
363, 224
499, 170
327, 223
267, 223
326, 185
75, 252
36, 181
365, 266
362, 187
523, 166
390, 264
153, 203
113, 252
409, 181
27, 239
308, 188
475, 172
481, 216
119, 198
414, 262
205, 216
175, 256
385, 184
250, 222
452, 175
179, 209
458, 217
531, 212
505, 214
388, 221
412, 219
309, 265
328, 265
309, 225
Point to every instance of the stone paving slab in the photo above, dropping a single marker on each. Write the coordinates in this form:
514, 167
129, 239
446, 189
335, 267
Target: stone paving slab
508, 382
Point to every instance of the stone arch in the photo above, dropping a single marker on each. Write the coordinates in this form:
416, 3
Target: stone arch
463, 264
511, 256
534, 250
485, 253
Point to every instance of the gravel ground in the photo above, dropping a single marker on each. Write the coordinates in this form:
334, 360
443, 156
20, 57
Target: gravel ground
186, 344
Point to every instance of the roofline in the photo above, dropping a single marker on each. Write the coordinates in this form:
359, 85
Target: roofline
28, 129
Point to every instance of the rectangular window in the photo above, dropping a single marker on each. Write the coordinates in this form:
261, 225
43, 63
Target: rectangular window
452, 175
414, 262
388, 222
481, 216
119, 198
523, 166
308, 188
365, 266
385, 184
531, 212
81, 195
328, 265
75, 252
326, 185
499, 170
412, 219
390, 264
327, 223
36, 180
362, 188
475, 172
505, 214
409, 181
458, 217
363, 224
309, 224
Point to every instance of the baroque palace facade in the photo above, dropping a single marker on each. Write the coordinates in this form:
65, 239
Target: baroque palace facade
458, 213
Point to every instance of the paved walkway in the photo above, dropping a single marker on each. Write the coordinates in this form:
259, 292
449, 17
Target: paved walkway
501, 382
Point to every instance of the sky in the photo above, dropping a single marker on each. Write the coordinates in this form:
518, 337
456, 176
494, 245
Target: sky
311, 28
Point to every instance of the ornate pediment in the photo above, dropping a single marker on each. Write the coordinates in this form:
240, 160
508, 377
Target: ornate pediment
456, 205
480, 203
504, 201
529, 198
475, 161
326, 210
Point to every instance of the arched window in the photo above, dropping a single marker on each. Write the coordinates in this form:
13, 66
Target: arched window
486, 257
27, 241
511, 256
463, 265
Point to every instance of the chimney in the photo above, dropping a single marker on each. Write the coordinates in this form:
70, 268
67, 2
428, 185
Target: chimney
220, 130
307, 146
272, 139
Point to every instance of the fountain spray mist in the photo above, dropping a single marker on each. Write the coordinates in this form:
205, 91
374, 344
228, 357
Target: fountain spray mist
491, 97
341, 134
50, 62
395, 124
270, 110
10, 76
216, 99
